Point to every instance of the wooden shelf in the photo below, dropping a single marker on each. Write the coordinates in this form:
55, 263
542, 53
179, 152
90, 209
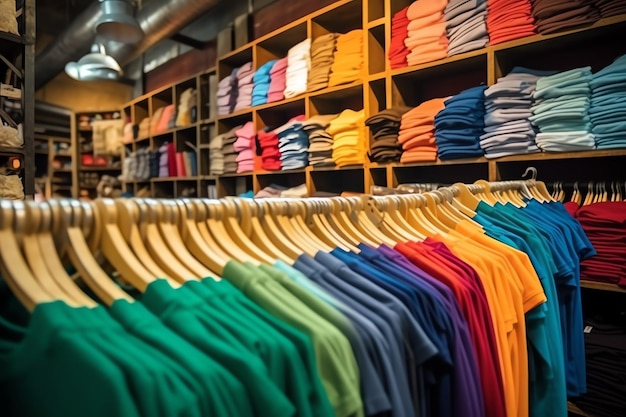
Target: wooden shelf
562, 155
377, 22
602, 286
172, 179
11, 151
97, 168
537, 39
573, 408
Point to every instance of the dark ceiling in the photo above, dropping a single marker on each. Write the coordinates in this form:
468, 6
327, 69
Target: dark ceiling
53, 16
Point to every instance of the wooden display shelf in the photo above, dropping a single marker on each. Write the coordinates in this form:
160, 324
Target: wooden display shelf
536, 39
602, 286
562, 155
99, 168
172, 179
573, 408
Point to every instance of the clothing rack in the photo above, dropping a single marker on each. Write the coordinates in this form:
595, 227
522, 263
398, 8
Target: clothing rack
177, 240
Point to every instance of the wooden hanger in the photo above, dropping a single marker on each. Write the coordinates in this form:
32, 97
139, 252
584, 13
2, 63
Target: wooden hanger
115, 248
279, 227
467, 201
209, 254
263, 227
590, 194
248, 214
71, 215
40, 248
27, 225
347, 209
294, 217
14, 269
199, 215
338, 211
323, 231
368, 215
420, 225
150, 219
327, 212
390, 206
129, 220
433, 214
231, 222
485, 194
167, 220
231, 244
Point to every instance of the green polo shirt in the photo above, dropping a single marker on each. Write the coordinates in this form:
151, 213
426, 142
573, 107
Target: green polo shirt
335, 361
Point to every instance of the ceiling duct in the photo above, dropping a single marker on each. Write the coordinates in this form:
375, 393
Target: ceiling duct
159, 19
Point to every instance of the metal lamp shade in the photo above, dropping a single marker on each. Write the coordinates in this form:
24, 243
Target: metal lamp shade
94, 66
117, 22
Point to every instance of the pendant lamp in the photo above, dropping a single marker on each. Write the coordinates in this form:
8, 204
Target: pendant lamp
117, 22
94, 66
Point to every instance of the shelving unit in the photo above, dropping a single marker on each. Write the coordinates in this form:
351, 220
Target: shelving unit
55, 161
191, 138
382, 87
20, 51
90, 166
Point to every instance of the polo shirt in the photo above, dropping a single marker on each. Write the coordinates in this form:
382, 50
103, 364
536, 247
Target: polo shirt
394, 370
462, 281
182, 312
220, 390
284, 362
546, 357
506, 302
335, 360
375, 399
420, 347
33, 354
457, 388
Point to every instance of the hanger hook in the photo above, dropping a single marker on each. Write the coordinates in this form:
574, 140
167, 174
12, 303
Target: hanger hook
532, 171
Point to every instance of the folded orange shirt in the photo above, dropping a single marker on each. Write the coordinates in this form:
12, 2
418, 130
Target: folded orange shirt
420, 8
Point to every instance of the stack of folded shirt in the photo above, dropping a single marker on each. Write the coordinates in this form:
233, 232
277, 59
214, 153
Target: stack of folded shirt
270, 155
227, 93
320, 141
348, 58
417, 132
508, 105
607, 110
384, 128
608, 8
459, 125
261, 81
466, 25
605, 225
560, 111
216, 155
293, 143
348, 131
557, 15
271, 191
322, 50
229, 152
399, 32
605, 354
244, 146
278, 76
426, 38
245, 85
508, 20
298, 66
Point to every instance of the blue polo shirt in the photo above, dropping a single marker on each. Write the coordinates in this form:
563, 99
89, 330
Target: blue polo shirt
394, 362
